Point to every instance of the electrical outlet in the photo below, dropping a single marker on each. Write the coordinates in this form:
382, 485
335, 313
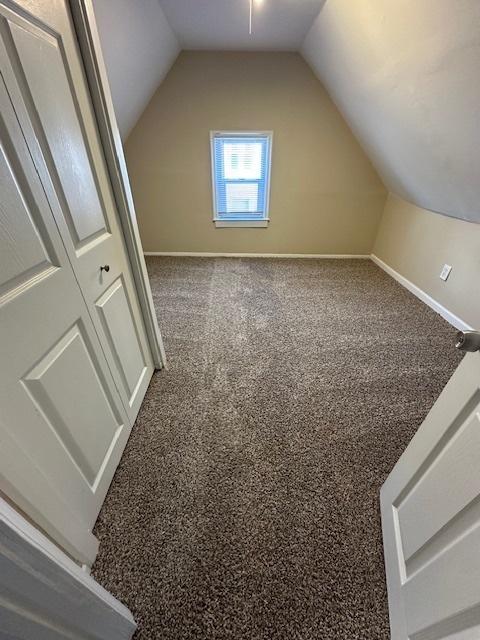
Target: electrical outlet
445, 272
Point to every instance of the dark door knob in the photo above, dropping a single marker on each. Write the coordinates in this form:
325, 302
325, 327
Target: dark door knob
105, 268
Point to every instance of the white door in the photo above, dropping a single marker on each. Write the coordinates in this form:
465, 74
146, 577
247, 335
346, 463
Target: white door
44, 75
62, 423
75, 362
431, 519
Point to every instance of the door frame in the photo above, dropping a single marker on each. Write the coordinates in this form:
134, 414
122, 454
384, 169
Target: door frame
44, 592
88, 38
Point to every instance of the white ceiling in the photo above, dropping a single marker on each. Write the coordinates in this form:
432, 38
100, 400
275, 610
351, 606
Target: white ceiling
278, 25
138, 47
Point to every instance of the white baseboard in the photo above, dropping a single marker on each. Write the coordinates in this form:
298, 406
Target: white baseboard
203, 254
450, 317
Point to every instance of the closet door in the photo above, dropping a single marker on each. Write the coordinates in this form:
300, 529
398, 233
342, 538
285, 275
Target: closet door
46, 80
63, 426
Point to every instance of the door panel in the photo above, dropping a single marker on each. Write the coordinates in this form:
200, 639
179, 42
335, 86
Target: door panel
431, 519
68, 393
451, 586
61, 413
57, 109
450, 481
49, 91
115, 313
25, 250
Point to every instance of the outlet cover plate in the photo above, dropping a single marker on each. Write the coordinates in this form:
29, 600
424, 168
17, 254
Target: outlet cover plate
445, 272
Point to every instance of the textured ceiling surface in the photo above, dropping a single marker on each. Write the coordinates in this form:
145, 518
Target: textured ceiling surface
224, 24
405, 75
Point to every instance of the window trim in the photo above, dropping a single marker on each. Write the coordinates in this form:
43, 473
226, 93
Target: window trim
239, 222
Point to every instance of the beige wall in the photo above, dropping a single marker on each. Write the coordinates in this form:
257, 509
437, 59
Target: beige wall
416, 243
325, 195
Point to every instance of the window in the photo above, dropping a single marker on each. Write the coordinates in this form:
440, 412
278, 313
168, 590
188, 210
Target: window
241, 178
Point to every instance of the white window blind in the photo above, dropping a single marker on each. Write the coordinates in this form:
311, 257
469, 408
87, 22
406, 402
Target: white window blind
241, 172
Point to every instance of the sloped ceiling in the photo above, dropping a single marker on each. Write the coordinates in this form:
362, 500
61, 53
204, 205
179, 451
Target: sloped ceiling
404, 73
139, 47
406, 76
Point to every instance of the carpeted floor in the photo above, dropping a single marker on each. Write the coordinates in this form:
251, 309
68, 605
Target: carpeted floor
246, 504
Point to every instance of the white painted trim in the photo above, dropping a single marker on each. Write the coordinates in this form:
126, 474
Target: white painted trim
224, 224
44, 591
90, 49
450, 317
206, 254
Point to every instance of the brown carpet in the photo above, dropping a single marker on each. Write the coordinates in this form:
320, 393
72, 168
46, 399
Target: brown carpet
246, 504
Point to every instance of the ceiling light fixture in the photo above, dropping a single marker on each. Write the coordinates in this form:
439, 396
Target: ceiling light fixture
250, 20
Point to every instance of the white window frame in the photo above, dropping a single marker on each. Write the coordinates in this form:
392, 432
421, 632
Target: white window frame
219, 223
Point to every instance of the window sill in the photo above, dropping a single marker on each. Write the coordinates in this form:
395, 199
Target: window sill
241, 223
